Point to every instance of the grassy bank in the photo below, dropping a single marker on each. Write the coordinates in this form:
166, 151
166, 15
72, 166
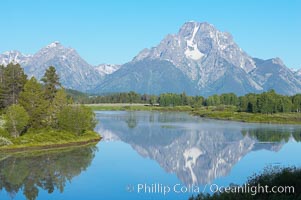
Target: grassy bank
49, 139
231, 114
212, 112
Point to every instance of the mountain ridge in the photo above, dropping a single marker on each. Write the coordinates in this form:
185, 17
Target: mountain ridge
74, 71
198, 59
214, 63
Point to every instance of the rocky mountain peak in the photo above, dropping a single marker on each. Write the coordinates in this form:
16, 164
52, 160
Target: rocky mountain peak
74, 72
53, 44
189, 27
204, 54
277, 61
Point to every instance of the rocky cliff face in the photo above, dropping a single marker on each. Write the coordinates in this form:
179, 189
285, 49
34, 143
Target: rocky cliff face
273, 74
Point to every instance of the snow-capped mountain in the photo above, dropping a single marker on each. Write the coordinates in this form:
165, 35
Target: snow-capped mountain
74, 72
193, 45
210, 60
206, 56
105, 69
198, 60
14, 57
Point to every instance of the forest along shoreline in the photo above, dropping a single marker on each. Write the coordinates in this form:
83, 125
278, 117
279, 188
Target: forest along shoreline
37, 115
267, 107
223, 111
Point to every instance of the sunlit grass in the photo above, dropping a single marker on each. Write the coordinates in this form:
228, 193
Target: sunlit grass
231, 114
48, 137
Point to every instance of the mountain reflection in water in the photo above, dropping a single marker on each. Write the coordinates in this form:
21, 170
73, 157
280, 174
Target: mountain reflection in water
196, 150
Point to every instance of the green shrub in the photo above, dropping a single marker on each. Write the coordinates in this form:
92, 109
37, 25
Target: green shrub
4, 133
76, 119
16, 120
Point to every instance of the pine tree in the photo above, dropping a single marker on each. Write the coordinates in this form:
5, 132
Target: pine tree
51, 82
32, 99
296, 100
2, 96
13, 81
59, 102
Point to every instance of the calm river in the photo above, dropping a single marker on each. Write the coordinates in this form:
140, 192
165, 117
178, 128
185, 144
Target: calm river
151, 155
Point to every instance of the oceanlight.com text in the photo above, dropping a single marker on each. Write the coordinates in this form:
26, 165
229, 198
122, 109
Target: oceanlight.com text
252, 189
157, 188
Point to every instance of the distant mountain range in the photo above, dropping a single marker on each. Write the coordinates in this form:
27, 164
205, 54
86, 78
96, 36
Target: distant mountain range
74, 72
199, 60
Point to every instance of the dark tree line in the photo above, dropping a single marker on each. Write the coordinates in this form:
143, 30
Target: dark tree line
122, 97
267, 102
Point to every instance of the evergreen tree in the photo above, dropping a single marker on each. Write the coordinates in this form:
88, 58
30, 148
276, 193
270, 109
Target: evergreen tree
284, 104
229, 99
32, 99
243, 104
133, 97
59, 102
198, 101
2, 96
51, 82
184, 99
296, 101
13, 80
213, 100
267, 102
252, 105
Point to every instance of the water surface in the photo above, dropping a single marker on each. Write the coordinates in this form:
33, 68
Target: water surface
151, 149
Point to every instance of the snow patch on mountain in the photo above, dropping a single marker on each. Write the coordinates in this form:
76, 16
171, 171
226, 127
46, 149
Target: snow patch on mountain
13, 57
105, 69
53, 44
192, 50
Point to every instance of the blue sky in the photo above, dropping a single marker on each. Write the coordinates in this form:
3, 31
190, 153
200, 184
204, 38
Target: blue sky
111, 31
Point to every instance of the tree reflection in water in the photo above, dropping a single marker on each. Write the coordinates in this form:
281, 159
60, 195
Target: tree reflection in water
49, 170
